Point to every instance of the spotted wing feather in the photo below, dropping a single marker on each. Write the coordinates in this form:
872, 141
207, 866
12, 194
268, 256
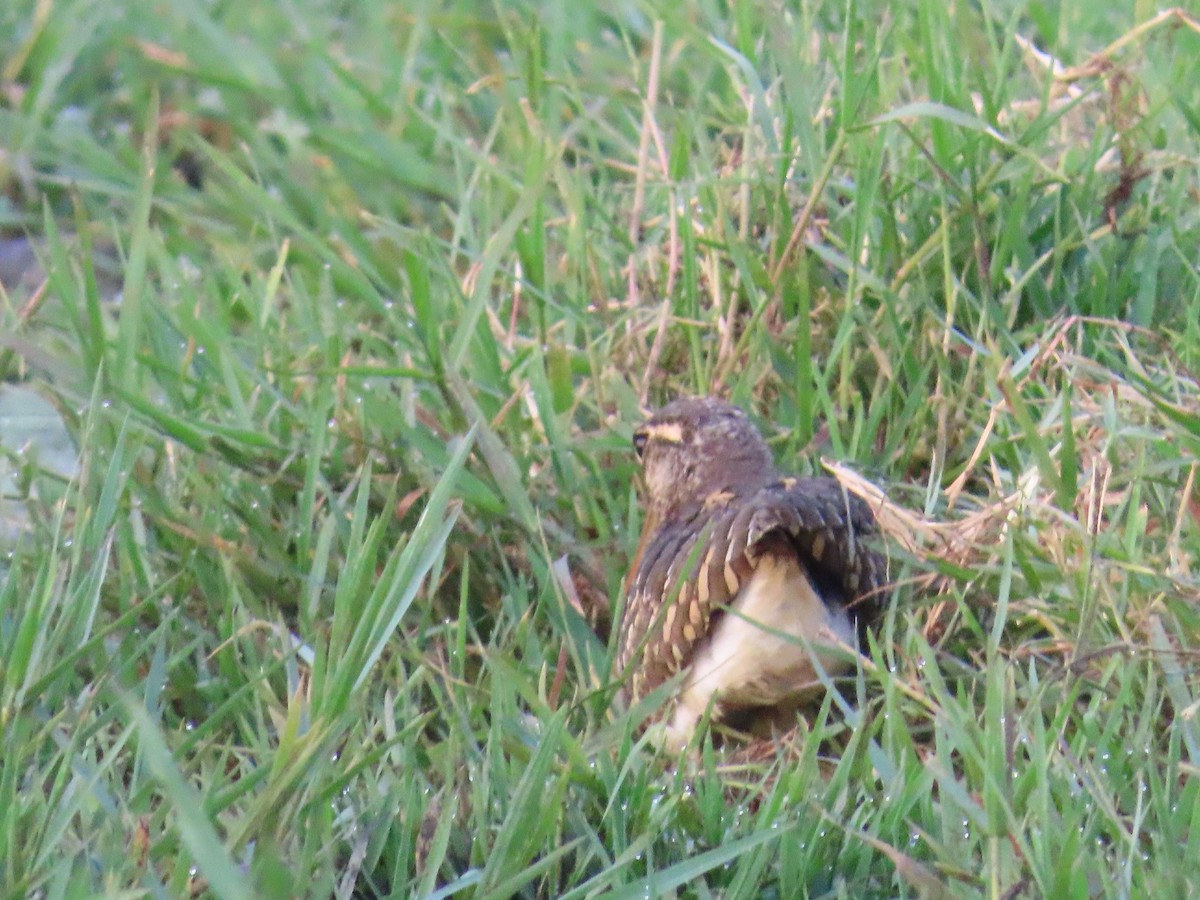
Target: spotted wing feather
695, 565
832, 531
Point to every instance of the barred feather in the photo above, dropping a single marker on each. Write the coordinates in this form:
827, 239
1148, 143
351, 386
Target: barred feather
693, 565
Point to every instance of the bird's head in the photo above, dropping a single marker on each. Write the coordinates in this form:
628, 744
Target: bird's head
697, 446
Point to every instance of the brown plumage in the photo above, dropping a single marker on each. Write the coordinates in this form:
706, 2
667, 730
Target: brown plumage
738, 569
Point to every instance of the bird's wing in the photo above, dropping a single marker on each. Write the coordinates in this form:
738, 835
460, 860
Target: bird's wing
832, 530
691, 570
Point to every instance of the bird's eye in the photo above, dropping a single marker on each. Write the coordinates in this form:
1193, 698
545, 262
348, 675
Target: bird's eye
639, 443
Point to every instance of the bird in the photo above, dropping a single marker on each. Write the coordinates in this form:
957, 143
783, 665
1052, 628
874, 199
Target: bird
745, 583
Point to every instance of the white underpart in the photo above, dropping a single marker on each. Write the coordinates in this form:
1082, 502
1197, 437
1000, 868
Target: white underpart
744, 664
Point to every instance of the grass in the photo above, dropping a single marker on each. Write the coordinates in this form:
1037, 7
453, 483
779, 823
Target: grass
350, 313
